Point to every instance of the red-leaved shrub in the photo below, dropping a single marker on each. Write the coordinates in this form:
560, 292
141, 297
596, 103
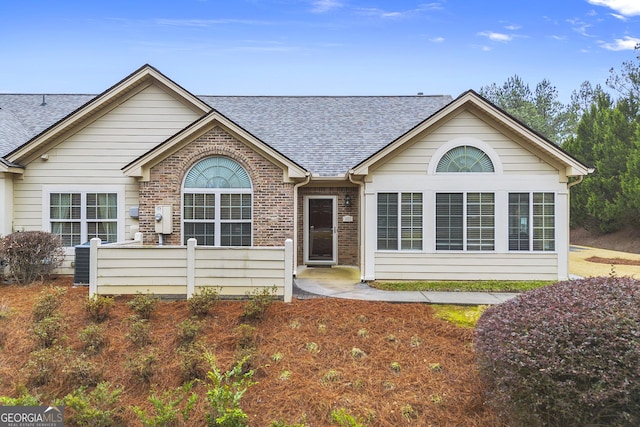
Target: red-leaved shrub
565, 355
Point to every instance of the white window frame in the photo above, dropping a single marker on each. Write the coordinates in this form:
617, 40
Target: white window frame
217, 221
530, 219
399, 247
465, 224
119, 190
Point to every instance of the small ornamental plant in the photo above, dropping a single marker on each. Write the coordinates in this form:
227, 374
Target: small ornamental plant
565, 355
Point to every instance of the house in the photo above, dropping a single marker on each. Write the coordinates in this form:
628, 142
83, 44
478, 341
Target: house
403, 187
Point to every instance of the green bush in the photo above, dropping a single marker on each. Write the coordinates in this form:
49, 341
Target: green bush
93, 338
188, 331
97, 408
565, 355
143, 305
98, 307
48, 303
82, 371
31, 255
45, 365
48, 331
204, 301
224, 392
168, 406
142, 365
259, 302
139, 331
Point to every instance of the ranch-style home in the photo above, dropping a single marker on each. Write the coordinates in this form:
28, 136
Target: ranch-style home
402, 187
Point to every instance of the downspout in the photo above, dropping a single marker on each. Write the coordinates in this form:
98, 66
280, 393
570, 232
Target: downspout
295, 221
361, 220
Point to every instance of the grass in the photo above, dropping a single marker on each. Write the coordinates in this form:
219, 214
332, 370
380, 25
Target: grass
459, 315
463, 286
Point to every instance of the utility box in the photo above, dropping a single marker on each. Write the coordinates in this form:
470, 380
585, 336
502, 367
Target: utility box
164, 219
81, 264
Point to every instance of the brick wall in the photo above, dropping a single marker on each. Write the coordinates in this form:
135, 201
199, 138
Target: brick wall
272, 198
348, 253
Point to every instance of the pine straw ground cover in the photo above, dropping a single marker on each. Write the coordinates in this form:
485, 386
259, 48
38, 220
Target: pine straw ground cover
413, 369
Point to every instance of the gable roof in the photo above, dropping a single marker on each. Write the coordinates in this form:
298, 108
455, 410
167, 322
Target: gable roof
32, 120
326, 135
471, 100
142, 165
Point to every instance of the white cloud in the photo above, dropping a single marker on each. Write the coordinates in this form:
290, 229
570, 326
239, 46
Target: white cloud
626, 43
496, 37
437, 39
580, 26
323, 6
381, 13
624, 7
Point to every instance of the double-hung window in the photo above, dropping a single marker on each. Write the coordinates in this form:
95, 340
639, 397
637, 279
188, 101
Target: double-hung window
525, 234
465, 221
400, 221
217, 203
79, 216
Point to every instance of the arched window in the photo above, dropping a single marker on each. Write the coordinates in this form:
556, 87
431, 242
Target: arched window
465, 158
217, 203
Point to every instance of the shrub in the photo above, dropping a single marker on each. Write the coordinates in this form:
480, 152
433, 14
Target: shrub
168, 406
193, 363
92, 338
202, 303
224, 392
98, 408
142, 365
81, 371
139, 331
48, 331
98, 307
565, 355
44, 365
188, 331
48, 303
25, 399
143, 305
31, 255
259, 302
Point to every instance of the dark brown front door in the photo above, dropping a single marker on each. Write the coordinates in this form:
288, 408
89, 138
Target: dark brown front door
321, 230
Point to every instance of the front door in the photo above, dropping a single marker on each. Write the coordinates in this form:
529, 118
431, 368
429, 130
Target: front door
320, 230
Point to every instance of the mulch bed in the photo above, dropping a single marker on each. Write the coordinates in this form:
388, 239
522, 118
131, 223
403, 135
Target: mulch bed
616, 261
437, 383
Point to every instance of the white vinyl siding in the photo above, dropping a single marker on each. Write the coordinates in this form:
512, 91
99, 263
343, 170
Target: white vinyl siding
407, 217
95, 154
515, 159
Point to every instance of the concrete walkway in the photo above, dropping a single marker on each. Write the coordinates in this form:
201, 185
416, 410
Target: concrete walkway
344, 282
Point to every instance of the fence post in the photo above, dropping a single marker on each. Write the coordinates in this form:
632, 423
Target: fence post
93, 266
288, 270
191, 267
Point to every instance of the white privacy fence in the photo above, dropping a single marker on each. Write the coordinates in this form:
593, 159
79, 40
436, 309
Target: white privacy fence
131, 267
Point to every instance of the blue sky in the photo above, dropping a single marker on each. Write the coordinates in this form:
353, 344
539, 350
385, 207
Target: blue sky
314, 47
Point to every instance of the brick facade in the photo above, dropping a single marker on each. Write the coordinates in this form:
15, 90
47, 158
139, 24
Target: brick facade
348, 253
272, 198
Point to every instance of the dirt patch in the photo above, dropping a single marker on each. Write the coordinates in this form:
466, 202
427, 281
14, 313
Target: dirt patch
626, 240
392, 383
614, 261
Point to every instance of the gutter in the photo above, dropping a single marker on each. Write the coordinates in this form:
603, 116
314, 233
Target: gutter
361, 236
295, 221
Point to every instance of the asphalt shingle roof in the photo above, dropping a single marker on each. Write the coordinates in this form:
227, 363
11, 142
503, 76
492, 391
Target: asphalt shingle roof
327, 135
